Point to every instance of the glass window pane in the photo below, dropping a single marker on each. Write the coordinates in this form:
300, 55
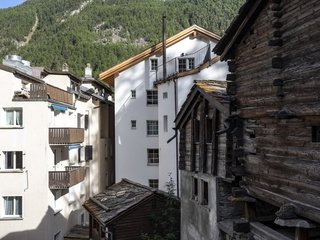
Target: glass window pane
8, 205
8, 160
9, 117
18, 206
18, 117
18, 159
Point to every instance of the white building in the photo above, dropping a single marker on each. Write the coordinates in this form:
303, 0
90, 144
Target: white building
146, 103
55, 152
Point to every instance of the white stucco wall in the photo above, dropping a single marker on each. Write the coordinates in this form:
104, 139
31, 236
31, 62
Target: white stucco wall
132, 144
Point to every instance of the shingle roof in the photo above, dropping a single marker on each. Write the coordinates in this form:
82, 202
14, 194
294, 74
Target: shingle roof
118, 198
212, 90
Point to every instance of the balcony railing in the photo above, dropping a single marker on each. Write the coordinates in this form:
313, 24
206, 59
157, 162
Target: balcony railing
65, 136
172, 66
66, 179
42, 91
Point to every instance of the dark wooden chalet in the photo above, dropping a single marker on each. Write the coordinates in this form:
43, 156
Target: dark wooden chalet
124, 211
203, 157
273, 51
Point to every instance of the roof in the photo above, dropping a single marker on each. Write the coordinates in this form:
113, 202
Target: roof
213, 90
247, 15
109, 75
117, 199
20, 74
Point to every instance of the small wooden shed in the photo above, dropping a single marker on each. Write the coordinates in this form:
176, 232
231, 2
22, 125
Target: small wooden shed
124, 211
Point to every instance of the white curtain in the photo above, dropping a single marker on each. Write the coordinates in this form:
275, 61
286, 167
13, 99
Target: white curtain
8, 204
10, 117
18, 118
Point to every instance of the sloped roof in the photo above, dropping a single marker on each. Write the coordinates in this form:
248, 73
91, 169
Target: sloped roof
241, 24
108, 75
212, 90
20, 74
117, 199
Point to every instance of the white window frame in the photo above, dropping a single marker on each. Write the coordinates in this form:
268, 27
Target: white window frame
154, 64
186, 64
14, 117
153, 183
15, 209
5, 160
152, 128
152, 97
153, 156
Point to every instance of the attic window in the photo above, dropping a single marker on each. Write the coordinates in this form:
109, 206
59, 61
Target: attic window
315, 133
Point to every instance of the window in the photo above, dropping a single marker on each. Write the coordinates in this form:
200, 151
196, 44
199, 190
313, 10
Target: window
12, 206
133, 93
152, 97
165, 123
196, 130
165, 95
152, 128
194, 188
185, 64
209, 130
13, 117
12, 160
205, 193
154, 183
315, 133
154, 64
133, 124
153, 156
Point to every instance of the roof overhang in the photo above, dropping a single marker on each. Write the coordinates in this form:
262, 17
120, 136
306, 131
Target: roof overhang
109, 75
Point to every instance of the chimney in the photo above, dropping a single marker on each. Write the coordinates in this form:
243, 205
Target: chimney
65, 67
88, 71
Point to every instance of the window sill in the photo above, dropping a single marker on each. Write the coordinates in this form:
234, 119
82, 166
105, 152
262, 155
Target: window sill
152, 135
11, 171
7, 218
9, 127
153, 164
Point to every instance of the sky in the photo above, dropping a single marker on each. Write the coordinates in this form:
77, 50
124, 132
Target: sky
10, 3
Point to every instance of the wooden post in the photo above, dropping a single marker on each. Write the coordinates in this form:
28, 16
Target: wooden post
90, 226
250, 211
301, 234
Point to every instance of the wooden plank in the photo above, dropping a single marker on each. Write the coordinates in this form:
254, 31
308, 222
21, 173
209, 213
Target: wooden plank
264, 232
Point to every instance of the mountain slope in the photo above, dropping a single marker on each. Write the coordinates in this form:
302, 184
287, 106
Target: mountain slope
101, 32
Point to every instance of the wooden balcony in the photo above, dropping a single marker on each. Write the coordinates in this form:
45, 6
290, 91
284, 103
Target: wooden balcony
66, 179
43, 91
65, 136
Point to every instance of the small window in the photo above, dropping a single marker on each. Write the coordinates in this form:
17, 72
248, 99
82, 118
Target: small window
133, 93
152, 97
165, 123
12, 160
315, 133
205, 193
88, 152
182, 64
86, 121
12, 206
154, 183
133, 124
190, 63
152, 128
165, 95
195, 188
153, 156
154, 64
14, 117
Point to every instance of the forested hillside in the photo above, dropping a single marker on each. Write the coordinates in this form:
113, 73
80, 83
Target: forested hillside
101, 32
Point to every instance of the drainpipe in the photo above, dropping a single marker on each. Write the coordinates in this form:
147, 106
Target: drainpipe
164, 46
176, 134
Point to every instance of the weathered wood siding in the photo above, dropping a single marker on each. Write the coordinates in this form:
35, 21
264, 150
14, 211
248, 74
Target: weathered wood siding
134, 223
277, 89
197, 154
